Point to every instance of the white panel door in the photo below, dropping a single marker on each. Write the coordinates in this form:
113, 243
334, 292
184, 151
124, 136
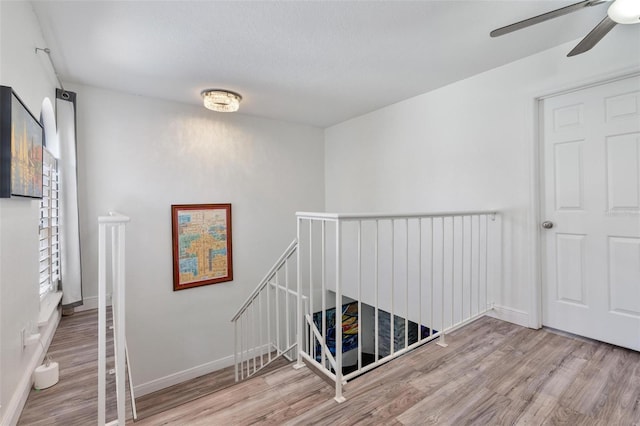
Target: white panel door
591, 209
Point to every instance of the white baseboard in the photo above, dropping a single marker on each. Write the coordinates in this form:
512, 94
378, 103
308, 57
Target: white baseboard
191, 373
19, 398
511, 315
182, 376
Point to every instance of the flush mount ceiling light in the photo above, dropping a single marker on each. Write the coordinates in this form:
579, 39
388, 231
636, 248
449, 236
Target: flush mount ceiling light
221, 100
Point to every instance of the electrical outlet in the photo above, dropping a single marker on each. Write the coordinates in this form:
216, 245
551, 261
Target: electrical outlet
28, 338
32, 339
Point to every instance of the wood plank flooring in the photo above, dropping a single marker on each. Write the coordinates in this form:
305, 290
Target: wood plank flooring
74, 399
174, 396
492, 373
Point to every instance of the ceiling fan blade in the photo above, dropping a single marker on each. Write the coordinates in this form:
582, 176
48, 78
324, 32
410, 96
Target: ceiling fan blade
594, 36
544, 17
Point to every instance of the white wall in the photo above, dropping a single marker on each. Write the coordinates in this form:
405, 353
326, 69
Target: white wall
32, 78
138, 156
467, 146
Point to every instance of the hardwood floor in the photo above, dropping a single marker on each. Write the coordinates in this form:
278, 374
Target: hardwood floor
174, 396
74, 399
492, 373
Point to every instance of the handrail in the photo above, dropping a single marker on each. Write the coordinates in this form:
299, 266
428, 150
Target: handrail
372, 216
287, 253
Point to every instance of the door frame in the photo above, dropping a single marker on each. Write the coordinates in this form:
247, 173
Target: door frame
536, 175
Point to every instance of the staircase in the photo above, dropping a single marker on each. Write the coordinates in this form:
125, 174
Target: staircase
431, 273
264, 326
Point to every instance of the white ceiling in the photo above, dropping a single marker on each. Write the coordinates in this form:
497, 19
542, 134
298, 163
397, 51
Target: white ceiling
311, 62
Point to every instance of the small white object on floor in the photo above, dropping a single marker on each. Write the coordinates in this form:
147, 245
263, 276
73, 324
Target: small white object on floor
46, 376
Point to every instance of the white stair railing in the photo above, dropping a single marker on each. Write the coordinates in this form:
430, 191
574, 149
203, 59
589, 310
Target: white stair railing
413, 277
116, 222
265, 325
325, 353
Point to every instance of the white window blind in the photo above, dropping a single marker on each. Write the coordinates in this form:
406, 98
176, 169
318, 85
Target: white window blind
49, 238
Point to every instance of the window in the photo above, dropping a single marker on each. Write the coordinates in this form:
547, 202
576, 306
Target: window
49, 237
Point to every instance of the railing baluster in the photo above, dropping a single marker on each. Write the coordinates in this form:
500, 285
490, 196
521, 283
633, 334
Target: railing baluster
277, 297
442, 341
476, 264
254, 324
462, 246
478, 269
392, 337
102, 323
249, 341
420, 279
238, 354
338, 397
431, 281
255, 335
470, 266
406, 292
287, 316
375, 283
359, 294
268, 291
323, 280
453, 267
294, 322
235, 349
245, 354
260, 329
242, 337
486, 262
255, 331
249, 325
299, 313
310, 338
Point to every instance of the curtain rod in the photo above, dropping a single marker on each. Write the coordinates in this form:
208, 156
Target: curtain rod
46, 50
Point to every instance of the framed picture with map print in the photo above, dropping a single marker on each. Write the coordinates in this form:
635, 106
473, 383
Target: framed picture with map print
201, 235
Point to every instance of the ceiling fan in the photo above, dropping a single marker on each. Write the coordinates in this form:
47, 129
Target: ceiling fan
619, 12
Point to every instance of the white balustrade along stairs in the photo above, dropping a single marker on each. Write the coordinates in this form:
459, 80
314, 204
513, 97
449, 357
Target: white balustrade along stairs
264, 327
399, 281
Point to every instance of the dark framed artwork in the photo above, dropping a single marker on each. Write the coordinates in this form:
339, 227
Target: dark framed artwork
21, 141
201, 235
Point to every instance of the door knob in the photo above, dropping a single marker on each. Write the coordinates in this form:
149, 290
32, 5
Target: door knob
547, 224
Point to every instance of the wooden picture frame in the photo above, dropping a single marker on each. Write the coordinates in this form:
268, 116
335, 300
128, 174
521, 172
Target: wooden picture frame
21, 144
201, 235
